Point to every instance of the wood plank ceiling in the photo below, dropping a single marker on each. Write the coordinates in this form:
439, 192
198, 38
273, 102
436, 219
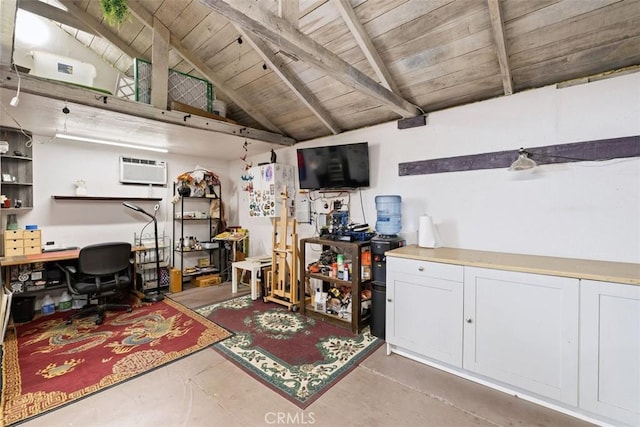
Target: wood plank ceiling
310, 68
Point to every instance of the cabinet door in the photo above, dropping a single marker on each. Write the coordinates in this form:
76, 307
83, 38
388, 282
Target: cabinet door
610, 350
424, 308
522, 329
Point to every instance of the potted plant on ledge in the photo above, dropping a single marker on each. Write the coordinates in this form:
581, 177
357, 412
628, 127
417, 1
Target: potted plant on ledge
114, 11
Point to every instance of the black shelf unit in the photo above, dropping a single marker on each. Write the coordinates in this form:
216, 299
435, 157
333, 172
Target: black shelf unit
203, 229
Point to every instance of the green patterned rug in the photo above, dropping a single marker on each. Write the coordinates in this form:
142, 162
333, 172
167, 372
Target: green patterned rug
298, 357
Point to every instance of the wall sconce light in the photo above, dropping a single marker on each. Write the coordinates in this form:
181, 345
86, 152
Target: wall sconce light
523, 162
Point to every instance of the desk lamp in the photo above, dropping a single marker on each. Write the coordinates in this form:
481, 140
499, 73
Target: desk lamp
157, 295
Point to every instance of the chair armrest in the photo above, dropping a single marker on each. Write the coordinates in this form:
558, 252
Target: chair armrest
67, 269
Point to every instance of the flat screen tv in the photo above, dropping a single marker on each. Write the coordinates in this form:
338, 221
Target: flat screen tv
343, 166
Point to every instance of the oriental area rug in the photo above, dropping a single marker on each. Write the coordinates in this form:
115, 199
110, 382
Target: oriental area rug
47, 364
296, 356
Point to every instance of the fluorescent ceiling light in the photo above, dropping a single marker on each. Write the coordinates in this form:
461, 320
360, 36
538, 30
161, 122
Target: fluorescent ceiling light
106, 142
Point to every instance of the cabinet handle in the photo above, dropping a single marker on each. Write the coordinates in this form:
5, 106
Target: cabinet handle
389, 300
468, 320
421, 268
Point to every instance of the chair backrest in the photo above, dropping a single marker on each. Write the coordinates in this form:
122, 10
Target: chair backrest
104, 258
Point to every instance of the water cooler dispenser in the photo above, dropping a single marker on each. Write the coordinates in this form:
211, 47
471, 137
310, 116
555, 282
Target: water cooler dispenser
388, 225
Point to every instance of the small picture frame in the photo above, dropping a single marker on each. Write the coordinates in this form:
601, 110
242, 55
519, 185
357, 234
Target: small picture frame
6, 177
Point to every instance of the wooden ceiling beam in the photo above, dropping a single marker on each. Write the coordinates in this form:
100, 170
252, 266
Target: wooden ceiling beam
289, 10
146, 19
8, 9
366, 45
160, 65
99, 29
280, 33
75, 94
55, 14
497, 24
282, 70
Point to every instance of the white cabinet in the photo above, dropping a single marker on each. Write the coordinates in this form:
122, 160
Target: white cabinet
267, 183
610, 350
522, 329
564, 342
424, 308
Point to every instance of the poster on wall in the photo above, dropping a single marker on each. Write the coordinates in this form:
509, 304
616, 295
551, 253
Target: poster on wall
268, 183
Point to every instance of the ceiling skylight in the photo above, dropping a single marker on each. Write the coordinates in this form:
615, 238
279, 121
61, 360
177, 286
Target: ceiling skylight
31, 29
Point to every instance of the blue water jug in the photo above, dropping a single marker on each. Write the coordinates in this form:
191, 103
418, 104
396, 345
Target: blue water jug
389, 219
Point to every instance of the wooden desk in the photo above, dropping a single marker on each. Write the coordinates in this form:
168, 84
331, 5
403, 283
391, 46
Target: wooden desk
43, 257
48, 257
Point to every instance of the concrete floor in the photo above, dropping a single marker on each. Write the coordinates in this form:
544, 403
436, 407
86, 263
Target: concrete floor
205, 389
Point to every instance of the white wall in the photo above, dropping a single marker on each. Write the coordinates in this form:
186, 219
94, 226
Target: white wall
57, 166
579, 210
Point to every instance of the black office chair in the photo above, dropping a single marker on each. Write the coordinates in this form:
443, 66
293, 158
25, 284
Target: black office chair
104, 270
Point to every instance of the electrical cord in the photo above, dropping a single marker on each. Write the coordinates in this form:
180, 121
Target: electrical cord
29, 141
364, 217
16, 99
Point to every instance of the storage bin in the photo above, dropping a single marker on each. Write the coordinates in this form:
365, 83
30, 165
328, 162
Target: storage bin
23, 308
175, 282
207, 280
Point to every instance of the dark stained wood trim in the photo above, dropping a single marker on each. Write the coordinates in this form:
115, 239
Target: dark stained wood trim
599, 150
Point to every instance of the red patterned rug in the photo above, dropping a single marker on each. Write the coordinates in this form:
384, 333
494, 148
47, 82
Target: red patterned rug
296, 356
47, 364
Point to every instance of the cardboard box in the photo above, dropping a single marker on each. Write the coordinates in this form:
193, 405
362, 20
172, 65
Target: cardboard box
175, 281
206, 280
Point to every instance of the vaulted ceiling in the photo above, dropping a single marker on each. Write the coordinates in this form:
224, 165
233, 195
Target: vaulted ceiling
309, 68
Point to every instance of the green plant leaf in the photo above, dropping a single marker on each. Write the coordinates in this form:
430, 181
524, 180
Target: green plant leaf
114, 11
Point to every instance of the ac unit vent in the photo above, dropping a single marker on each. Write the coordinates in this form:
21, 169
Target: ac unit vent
141, 171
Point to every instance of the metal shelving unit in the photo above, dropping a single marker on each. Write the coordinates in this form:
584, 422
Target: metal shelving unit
190, 222
146, 260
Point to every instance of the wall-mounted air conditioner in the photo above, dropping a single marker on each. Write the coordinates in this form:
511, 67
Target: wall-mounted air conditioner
141, 171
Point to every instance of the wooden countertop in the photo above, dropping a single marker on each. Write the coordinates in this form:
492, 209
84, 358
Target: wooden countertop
618, 272
48, 256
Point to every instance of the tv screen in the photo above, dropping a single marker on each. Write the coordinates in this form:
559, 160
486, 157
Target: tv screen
334, 166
